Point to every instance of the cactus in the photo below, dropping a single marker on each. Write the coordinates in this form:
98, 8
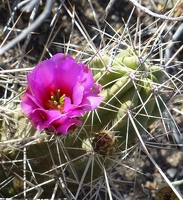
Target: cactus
127, 86
132, 90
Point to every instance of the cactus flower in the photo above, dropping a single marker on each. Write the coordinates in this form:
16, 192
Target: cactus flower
59, 91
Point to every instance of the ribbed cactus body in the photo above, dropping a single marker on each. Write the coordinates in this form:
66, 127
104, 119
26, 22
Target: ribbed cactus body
129, 87
70, 160
132, 91
99, 63
157, 72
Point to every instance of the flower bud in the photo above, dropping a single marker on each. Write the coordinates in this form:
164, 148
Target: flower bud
105, 143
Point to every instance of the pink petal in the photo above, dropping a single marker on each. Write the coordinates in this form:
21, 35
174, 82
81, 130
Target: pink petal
77, 95
64, 127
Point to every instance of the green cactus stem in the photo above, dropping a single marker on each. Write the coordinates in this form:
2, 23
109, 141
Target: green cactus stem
123, 53
128, 87
108, 77
132, 89
108, 108
157, 72
99, 63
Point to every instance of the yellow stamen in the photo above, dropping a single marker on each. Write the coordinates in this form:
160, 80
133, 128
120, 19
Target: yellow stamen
61, 99
58, 94
56, 101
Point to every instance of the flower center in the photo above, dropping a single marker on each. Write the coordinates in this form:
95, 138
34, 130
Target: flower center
56, 101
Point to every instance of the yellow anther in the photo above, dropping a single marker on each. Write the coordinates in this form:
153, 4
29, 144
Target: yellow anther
55, 102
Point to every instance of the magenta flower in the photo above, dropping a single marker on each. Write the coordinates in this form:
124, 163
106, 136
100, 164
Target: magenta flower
58, 93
